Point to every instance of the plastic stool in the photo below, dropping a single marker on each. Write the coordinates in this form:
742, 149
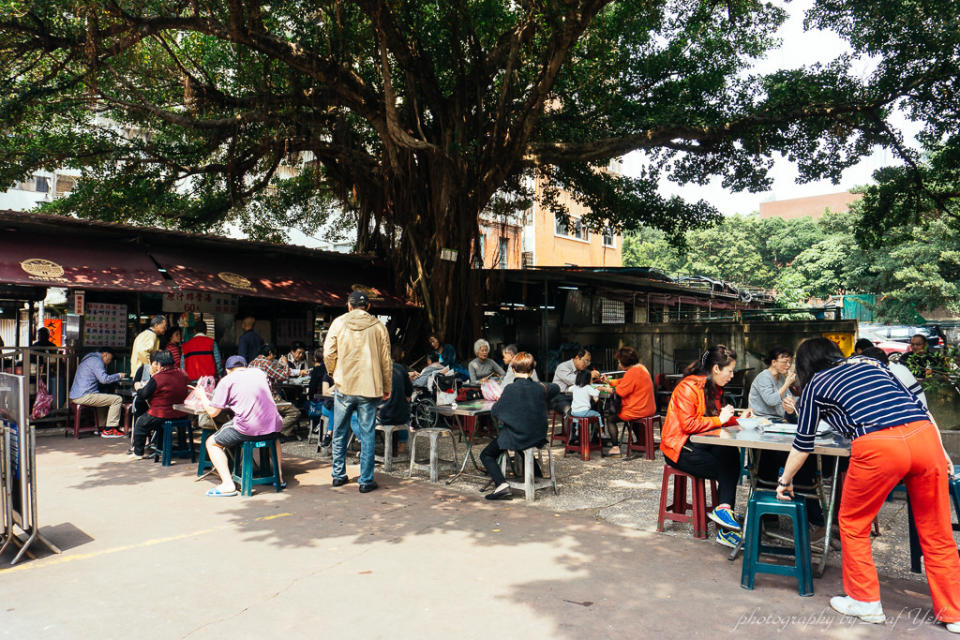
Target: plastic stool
677, 509
78, 428
585, 444
645, 427
434, 434
203, 461
166, 452
766, 503
387, 457
243, 465
915, 551
531, 484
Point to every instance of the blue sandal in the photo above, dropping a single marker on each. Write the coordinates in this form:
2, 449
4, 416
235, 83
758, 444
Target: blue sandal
216, 493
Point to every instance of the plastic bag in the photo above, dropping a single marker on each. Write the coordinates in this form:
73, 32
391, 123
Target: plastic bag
491, 390
43, 401
204, 385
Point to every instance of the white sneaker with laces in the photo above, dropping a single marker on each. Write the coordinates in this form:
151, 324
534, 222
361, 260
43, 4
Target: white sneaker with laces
953, 627
867, 611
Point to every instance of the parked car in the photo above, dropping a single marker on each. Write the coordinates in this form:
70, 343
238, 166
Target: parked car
902, 334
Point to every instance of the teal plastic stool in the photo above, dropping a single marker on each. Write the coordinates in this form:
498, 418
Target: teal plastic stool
166, 452
203, 461
269, 465
764, 503
916, 553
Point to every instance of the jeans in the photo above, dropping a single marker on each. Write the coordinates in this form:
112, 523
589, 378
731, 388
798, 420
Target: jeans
365, 409
589, 413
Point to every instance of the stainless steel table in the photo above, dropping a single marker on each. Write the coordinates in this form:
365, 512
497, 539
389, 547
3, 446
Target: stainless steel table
828, 445
472, 409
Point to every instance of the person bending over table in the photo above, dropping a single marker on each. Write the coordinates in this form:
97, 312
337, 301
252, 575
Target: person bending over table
694, 408
770, 398
482, 368
522, 412
246, 392
166, 387
894, 440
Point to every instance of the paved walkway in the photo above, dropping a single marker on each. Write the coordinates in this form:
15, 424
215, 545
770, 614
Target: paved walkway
148, 556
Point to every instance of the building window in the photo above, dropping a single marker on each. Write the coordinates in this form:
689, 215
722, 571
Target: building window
574, 229
478, 259
504, 247
609, 239
43, 185
612, 311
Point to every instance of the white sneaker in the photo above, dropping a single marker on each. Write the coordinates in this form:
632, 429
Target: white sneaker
866, 611
953, 627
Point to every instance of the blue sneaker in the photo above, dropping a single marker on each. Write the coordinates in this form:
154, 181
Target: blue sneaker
728, 538
723, 516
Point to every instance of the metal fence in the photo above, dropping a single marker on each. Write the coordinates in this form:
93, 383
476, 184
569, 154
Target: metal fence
18, 470
49, 366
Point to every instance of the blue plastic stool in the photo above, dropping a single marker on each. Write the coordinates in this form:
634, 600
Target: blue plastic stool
915, 551
269, 465
166, 452
203, 461
766, 503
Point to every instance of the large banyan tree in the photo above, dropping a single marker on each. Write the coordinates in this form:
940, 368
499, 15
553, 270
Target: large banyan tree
410, 118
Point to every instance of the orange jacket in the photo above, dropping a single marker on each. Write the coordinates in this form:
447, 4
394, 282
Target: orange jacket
636, 393
685, 416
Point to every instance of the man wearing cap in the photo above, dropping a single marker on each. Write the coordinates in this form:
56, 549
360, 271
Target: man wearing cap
357, 355
246, 392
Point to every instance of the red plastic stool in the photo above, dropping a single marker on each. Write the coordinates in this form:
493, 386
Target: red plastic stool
77, 410
646, 444
586, 444
677, 510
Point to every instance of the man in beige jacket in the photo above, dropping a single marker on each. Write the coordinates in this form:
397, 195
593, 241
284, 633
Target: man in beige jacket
357, 355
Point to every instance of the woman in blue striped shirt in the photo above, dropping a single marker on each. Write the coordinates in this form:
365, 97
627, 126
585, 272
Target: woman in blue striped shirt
894, 440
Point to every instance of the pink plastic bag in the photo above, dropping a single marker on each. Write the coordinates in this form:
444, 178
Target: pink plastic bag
204, 385
491, 390
43, 401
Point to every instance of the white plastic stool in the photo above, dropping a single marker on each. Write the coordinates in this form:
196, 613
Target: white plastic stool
530, 484
434, 434
387, 457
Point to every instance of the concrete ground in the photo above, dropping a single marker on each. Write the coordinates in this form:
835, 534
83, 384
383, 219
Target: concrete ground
147, 555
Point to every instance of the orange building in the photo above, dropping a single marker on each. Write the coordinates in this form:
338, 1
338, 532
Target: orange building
536, 238
813, 206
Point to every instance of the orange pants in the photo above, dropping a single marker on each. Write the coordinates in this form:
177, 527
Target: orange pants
878, 462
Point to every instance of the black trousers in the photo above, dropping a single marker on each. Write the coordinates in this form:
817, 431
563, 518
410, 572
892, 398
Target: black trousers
142, 428
714, 462
488, 458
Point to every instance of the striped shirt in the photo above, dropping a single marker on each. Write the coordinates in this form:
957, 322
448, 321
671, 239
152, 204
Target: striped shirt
855, 397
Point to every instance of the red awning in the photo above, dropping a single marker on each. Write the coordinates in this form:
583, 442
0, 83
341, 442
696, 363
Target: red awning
82, 264
289, 278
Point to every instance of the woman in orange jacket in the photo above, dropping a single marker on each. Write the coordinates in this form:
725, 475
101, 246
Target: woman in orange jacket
695, 407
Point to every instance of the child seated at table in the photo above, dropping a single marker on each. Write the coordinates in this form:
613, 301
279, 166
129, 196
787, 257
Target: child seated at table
522, 412
584, 394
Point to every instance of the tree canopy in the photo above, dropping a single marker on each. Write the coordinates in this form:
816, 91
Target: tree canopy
407, 118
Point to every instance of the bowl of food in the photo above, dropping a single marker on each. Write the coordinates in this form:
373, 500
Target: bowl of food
753, 423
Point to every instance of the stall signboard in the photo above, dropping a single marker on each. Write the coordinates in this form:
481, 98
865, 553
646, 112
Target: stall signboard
105, 325
200, 302
79, 300
55, 327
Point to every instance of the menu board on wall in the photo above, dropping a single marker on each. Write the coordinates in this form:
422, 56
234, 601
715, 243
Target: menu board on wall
105, 325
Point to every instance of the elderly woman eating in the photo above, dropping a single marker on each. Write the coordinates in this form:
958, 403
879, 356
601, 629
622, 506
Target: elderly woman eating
482, 368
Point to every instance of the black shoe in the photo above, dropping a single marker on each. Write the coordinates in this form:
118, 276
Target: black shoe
505, 494
370, 486
339, 482
326, 441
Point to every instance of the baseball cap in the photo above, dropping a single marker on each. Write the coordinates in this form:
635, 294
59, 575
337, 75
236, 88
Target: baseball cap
235, 361
358, 299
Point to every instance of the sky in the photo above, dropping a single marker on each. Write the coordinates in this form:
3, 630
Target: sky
799, 48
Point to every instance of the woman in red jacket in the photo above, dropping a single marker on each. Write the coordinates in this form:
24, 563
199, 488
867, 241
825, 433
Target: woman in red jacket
695, 407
